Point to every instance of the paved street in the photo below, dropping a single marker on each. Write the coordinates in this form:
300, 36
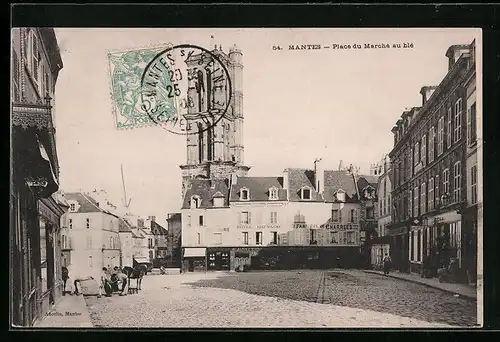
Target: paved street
281, 299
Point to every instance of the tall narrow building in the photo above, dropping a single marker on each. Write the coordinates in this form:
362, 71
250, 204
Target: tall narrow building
215, 152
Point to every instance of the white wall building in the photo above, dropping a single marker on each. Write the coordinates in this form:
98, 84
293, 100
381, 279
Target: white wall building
92, 234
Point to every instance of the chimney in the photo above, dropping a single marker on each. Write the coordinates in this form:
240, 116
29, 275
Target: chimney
454, 53
319, 175
140, 223
152, 218
285, 179
234, 179
426, 93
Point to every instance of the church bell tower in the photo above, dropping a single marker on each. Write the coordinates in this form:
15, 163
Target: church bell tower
215, 152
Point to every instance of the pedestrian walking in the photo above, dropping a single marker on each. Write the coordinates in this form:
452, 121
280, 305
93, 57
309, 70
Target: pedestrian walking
65, 277
387, 263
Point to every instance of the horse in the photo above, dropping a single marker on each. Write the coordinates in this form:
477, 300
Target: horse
137, 273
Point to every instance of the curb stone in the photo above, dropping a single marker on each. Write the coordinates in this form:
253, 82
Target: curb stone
468, 297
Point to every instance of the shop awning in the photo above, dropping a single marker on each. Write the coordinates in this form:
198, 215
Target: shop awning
141, 259
194, 252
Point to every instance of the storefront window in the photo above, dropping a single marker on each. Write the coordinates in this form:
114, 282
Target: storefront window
43, 256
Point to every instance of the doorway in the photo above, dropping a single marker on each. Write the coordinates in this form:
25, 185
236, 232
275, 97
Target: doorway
49, 243
190, 265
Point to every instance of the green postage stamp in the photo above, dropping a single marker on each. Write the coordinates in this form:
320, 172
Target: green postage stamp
125, 70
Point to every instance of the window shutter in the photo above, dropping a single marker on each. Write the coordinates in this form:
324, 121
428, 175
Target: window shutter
249, 217
340, 215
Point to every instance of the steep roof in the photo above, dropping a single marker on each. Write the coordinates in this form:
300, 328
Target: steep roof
124, 226
364, 180
258, 188
339, 180
137, 235
299, 178
205, 189
155, 227
86, 203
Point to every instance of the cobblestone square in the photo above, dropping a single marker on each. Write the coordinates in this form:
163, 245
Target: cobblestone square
337, 298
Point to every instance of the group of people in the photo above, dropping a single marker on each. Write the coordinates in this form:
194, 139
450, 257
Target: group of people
109, 281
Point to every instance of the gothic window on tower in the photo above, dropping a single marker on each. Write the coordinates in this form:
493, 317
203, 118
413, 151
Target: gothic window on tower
195, 202
305, 193
244, 194
201, 146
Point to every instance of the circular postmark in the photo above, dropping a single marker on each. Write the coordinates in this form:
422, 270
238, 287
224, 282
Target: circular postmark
186, 89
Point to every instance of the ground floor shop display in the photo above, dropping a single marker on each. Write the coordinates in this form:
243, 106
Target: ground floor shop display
237, 258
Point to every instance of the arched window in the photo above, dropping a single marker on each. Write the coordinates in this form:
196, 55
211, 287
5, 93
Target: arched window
200, 142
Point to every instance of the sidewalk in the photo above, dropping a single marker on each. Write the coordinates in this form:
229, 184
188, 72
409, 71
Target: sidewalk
463, 290
69, 312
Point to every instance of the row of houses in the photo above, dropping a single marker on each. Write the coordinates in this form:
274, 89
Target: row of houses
94, 236
431, 184
49, 230
312, 216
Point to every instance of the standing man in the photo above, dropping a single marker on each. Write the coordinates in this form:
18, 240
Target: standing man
122, 277
105, 283
387, 263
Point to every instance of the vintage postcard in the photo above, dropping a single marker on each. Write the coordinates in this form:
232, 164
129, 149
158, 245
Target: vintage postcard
246, 178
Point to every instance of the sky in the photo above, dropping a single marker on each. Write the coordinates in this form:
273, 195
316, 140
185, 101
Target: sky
298, 104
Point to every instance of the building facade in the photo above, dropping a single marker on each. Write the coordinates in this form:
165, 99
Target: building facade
174, 230
429, 172
474, 192
382, 242
229, 219
94, 236
36, 63
160, 240
126, 242
305, 218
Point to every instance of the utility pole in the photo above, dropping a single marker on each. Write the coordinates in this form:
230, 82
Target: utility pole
125, 201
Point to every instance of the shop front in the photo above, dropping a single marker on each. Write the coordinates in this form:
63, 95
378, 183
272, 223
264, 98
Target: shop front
379, 248
194, 259
33, 178
50, 212
470, 242
218, 259
399, 252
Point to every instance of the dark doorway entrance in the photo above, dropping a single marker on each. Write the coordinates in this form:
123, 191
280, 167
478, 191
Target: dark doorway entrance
49, 241
190, 265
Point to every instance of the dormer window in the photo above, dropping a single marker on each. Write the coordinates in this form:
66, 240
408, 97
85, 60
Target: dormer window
244, 194
305, 193
341, 195
273, 193
218, 199
72, 207
369, 193
195, 202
